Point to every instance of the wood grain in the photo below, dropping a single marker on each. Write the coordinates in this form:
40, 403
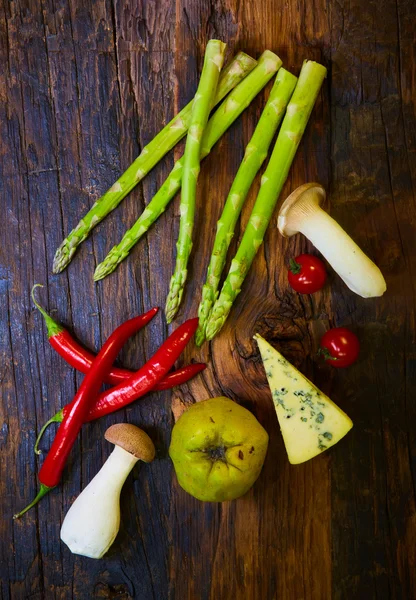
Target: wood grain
85, 85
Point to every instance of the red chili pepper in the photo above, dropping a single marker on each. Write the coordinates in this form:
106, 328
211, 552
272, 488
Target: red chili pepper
171, 380
144, 379
81, 359
51, 470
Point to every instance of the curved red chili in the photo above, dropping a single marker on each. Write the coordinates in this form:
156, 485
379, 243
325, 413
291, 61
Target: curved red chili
51, 470
70, 350
145, 378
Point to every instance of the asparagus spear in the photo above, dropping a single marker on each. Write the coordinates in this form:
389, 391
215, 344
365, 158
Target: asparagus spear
224, 116
293, 126
151, 154
214, 56
256, 152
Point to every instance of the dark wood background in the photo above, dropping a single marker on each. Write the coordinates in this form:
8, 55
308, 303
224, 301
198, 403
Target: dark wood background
84, 85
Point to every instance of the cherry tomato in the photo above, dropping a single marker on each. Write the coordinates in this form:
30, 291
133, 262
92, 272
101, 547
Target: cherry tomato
306, 274
340, 347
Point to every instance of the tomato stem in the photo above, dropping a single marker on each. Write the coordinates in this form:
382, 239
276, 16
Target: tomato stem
294, 266
325, 353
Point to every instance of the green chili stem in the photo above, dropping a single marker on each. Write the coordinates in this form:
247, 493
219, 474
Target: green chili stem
58, 418
44, 489
52, 326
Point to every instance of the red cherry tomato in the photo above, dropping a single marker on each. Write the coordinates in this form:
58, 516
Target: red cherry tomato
340, 347
306, 274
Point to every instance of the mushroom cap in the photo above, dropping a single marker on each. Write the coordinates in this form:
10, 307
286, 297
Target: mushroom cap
297, 206
132, 440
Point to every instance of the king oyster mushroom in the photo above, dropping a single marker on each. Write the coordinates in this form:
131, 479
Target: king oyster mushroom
93, 521
302, 212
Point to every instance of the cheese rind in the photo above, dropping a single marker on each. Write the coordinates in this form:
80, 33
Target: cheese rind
309, 421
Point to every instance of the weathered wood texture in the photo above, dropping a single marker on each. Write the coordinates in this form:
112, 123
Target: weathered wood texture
84, 84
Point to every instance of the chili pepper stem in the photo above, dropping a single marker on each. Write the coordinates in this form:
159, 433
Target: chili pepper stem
44, 489
57, 418
52, 326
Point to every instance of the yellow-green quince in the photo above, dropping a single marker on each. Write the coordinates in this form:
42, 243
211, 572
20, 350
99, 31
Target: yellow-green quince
218, 449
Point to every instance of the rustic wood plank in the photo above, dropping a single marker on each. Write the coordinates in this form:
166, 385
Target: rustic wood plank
83, 88
373, 196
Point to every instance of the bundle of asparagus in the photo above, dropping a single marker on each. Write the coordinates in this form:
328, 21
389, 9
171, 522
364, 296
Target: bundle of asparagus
297, 115
231, 108
242, 80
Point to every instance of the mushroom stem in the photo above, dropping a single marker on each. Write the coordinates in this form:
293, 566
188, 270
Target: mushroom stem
354, 267
92, 523
119, 462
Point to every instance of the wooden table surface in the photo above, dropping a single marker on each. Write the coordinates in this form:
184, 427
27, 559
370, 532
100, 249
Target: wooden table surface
83, 86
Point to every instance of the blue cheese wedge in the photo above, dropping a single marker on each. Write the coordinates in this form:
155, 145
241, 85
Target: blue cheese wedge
310, 422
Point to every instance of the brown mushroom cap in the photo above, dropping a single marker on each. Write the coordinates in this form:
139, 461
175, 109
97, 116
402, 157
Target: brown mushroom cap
132, 440
297, 206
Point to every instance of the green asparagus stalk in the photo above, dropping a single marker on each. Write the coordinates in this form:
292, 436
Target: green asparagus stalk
255, 153
293, 126
238, 100
214, 56
151, 154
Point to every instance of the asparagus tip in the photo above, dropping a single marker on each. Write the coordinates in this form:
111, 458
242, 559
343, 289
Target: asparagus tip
61, 259
200, 336
100, 272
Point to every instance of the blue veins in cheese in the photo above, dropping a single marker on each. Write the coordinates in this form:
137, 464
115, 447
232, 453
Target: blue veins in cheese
309, 421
